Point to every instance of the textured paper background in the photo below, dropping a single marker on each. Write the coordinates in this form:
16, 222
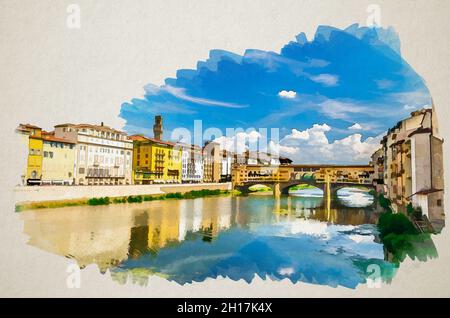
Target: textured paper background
51, 74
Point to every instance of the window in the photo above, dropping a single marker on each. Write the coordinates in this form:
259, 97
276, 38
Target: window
45, 154
439, 202
51, 154
70, 174
81, 170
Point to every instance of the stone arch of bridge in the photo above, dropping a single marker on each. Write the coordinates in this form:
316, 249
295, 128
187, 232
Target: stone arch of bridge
246, 187
284, 187
335, 187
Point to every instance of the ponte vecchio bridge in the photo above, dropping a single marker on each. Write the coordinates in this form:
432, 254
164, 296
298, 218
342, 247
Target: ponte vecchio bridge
328, 178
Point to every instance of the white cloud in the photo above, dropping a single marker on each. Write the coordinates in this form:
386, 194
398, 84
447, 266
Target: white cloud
355, 126
384, 83
408, 107
286, 271
341, 110
181, 94
413, 99
272, 61
287, 94
313, 146
296, 134
277, 149
326, 79
239, 142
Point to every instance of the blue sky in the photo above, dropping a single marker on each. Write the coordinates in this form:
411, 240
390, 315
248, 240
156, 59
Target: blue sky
332, 98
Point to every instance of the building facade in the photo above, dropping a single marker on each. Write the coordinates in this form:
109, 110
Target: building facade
227, 161
31, 138
211, 162
413, 166
103, 155
192, 163
58, 163
377, 161
156, 161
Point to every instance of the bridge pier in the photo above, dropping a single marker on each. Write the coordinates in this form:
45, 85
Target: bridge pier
276, 190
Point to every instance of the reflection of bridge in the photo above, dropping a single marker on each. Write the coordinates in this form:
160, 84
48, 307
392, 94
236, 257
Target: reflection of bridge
328, 178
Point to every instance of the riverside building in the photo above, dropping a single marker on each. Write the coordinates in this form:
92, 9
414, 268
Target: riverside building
32, 147
155, 161
103, 155
192, 163
58, 160
413, 166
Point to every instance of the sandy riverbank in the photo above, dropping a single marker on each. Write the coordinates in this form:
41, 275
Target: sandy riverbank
35, 194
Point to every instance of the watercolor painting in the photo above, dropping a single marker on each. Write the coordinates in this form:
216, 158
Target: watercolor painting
320, 163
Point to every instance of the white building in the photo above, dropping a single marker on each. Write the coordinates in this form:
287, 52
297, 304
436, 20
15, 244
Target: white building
191, 164
103, 154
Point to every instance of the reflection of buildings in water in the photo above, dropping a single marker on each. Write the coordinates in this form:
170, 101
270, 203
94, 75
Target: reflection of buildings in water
198, 213
216, 217
225, 213
321, 210
92, 235
170, 221
183, 221
109, 235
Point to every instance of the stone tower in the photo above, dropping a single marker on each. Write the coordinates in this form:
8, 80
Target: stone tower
157, 128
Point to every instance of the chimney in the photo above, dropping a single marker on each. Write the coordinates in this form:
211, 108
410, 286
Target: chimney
157, 128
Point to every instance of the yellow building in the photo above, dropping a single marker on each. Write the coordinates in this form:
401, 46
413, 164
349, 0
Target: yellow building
58, 160
155, 161
32, 137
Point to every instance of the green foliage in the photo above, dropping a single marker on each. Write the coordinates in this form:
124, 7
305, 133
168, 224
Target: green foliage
395, 223
176, 195
401, 238
134, 199
384, 203
302, 187
415, 213
416, 246
149, 198
99, 201
200, 193
119, 200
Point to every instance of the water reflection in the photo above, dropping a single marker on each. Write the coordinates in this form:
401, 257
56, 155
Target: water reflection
237, 237
354, 197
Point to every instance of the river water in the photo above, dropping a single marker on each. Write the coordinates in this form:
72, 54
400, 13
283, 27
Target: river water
296, 237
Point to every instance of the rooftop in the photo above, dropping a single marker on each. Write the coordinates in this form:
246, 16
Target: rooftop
51, 137
144, 138
91, 126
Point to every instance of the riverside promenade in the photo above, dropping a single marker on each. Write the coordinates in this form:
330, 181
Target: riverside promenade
32, 194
